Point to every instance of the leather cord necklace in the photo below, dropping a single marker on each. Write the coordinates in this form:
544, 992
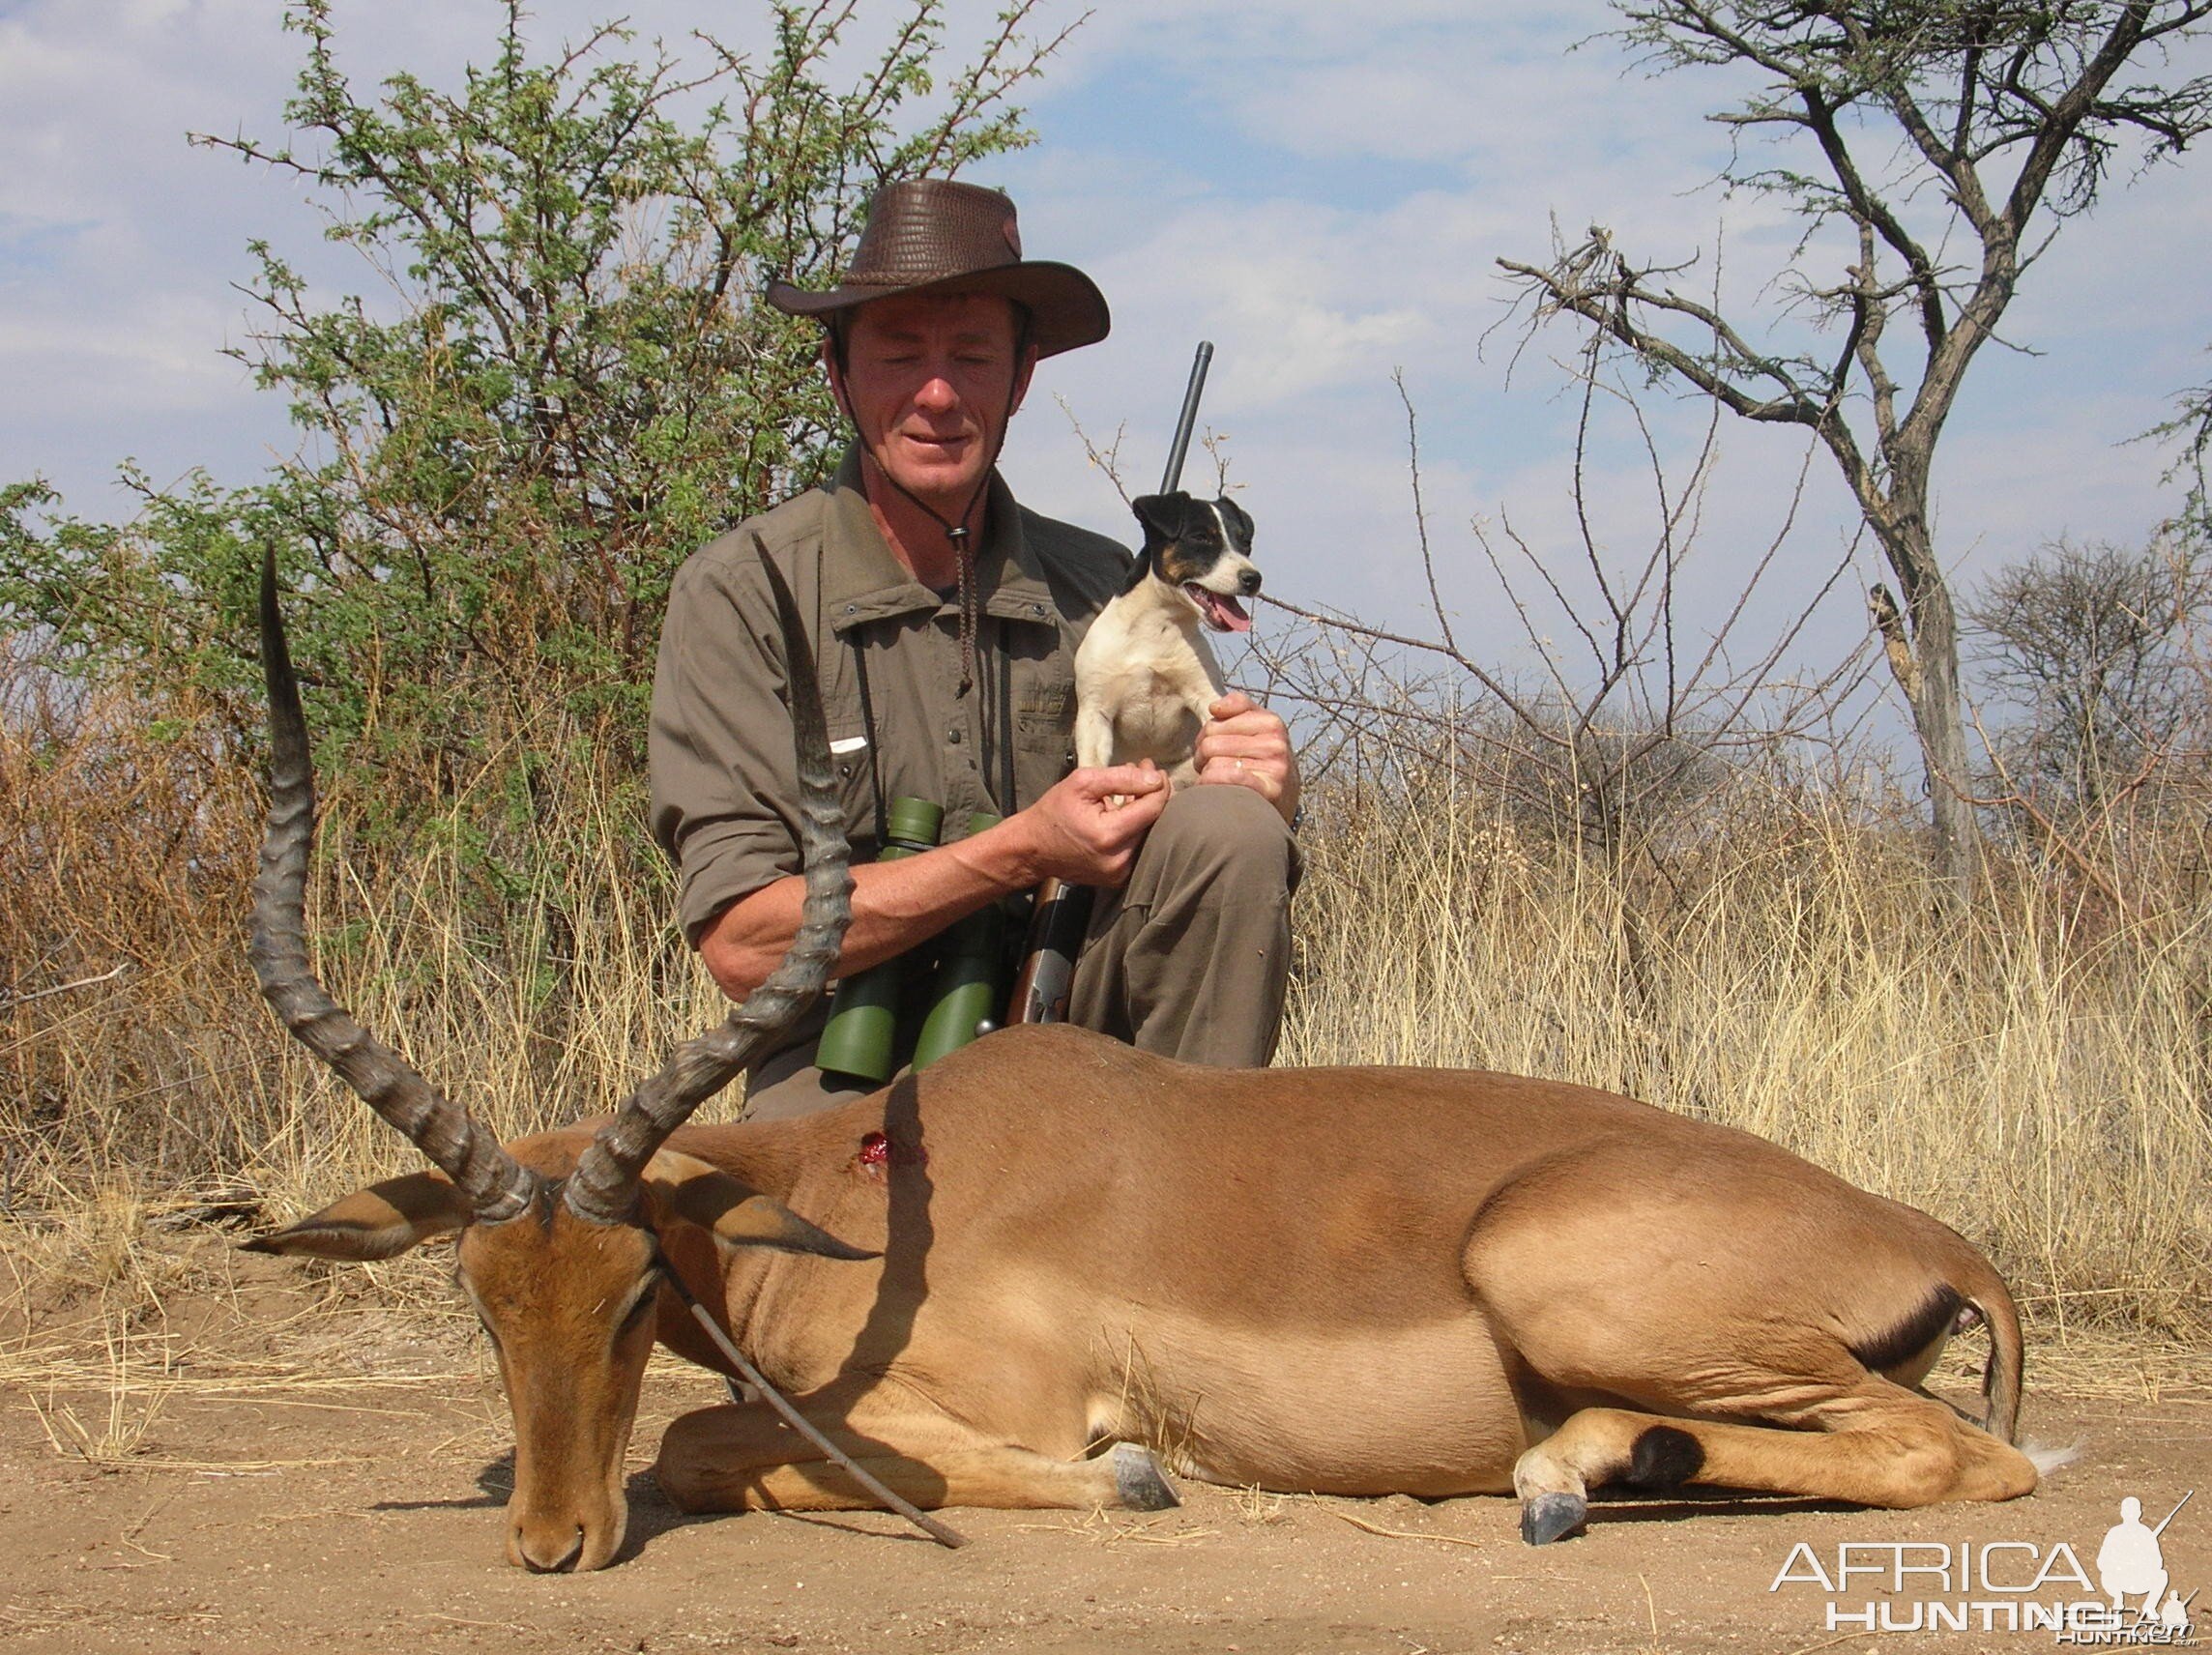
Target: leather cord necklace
1007, 800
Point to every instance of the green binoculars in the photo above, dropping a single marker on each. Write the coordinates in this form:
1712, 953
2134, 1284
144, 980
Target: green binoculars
861, 1038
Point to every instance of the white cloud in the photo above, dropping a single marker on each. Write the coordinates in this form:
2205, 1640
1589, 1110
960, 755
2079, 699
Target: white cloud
154, 357
1283, 288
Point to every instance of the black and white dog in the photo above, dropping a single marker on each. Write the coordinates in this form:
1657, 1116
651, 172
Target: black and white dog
1144, 678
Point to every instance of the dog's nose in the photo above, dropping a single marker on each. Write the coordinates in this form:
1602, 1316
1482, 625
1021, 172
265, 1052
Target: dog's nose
1247, 583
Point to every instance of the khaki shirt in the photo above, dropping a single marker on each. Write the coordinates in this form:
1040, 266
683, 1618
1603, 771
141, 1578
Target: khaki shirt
725, 789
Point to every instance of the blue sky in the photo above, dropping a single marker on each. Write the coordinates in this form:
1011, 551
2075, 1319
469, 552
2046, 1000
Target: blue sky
1321, 189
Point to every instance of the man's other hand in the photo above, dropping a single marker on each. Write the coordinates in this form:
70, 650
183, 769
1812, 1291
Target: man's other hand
1244, 744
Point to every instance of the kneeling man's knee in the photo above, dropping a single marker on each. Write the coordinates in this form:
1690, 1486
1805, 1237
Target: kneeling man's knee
1218, 831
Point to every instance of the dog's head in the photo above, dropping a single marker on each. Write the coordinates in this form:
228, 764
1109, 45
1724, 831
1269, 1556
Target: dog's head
1203, 549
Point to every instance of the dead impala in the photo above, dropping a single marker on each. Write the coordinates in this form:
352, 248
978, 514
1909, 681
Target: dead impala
994, 1282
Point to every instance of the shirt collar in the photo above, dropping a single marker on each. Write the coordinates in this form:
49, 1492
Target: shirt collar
861, 581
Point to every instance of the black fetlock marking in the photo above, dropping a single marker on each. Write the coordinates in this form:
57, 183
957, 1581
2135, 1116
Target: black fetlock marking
1139, 1482
1664, 1458
1553, 1517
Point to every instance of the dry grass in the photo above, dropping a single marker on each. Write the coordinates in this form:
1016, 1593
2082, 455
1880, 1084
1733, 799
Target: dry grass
534, 998
1375, 1529
2036, 1076
1118, 1528
131, 1409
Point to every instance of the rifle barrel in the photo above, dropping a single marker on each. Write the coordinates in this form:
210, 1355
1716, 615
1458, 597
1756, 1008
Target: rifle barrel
1189, 417
1063, 912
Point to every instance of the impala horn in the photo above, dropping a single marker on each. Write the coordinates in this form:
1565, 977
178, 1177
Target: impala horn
603, 1188
497, 1186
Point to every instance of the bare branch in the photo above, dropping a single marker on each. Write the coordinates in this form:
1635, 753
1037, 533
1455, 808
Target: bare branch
1420, 514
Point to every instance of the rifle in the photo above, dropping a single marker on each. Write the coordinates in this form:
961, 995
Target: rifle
1062, 912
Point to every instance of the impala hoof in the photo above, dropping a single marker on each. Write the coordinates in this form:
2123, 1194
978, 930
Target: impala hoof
1553, 1517
1139, 1482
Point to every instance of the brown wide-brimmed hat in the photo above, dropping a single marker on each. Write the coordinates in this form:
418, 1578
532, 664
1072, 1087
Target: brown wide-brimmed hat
925, 234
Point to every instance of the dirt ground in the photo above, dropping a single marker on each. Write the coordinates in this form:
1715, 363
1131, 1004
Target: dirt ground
282, 1469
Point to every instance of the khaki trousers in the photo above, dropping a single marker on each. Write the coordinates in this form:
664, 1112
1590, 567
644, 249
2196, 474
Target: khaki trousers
1188, 960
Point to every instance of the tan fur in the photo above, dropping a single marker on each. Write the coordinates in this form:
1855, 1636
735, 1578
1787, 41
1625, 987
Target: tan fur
1346, 1281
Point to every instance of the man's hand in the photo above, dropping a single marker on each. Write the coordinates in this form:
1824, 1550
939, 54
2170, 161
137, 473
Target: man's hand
1078, 834
1244, 744
1072, 832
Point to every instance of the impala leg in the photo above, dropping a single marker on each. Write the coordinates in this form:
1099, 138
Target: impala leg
745, 1457
1878, 1444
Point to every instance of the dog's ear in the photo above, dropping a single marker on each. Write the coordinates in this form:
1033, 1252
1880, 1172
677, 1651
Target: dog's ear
1163, 515
1237, 519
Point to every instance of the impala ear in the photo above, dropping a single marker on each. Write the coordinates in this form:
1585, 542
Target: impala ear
380, 1222
741, 1217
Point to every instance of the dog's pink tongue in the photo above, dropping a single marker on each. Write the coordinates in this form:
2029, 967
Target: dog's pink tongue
1223, 614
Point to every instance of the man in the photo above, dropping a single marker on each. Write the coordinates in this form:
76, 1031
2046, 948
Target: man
2130, 1560
945, 621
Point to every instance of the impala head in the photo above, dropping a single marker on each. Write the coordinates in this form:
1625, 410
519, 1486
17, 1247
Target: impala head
559, 1235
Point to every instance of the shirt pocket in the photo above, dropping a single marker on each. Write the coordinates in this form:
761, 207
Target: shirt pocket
1044, 717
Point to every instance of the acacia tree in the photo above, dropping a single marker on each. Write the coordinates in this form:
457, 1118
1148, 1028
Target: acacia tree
558, 385
2191, 426
2091, 650
1902, 130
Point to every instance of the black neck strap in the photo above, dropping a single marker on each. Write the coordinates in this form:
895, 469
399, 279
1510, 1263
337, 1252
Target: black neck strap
875, 750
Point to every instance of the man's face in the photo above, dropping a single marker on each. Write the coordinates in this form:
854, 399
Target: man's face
929, 382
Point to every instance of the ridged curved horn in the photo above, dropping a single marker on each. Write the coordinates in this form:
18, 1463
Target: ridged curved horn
603, 1188
496, 1185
